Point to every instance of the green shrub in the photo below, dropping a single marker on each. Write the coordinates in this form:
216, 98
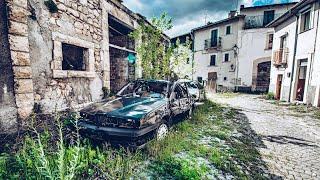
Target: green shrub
270, 96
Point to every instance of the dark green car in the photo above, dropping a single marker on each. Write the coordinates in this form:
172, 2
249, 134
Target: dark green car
141, 110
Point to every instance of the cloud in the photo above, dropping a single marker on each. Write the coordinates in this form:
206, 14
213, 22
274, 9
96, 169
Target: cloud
189, 14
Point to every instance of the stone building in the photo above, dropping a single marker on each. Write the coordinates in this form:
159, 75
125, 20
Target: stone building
295, 76
59, 54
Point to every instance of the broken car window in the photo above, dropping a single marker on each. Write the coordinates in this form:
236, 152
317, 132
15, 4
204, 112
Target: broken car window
146, 89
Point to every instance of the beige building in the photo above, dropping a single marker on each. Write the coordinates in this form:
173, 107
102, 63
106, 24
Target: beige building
62, 54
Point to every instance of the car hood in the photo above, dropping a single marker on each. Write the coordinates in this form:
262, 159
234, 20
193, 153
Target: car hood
125, 107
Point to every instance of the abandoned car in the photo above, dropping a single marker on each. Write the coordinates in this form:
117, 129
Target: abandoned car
142, 110
196, 90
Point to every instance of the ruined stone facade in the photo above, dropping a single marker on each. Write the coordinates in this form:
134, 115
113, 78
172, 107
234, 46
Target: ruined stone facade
44, 75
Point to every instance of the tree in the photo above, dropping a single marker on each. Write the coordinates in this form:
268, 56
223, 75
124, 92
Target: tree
153, 53
156, 56
180, 61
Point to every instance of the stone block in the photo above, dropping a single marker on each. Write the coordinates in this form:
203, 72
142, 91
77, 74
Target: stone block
24, 100
18, 28
23, 86
19, 14
19, 43
21, 3
25, 112
22, 72
20, 58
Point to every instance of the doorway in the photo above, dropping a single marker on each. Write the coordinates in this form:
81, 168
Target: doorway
302, 76
212, 81
278, 86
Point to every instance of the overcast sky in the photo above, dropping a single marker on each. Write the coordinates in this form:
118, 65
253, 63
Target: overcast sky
188, 14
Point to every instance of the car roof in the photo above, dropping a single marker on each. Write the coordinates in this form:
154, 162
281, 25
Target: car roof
152, 80
184, 80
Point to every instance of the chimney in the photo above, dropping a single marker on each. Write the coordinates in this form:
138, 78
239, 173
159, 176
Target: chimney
232, 14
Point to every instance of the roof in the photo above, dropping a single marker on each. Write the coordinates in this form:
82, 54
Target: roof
209, 25
266, 6
295, 9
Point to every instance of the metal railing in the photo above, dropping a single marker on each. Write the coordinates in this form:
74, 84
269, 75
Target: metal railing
212, 43
123, 41
280, 56
258, 21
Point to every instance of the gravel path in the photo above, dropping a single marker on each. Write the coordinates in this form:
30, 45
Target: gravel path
291, 140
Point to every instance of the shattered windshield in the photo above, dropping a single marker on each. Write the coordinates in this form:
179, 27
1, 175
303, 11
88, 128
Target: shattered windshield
191, 85
153, 89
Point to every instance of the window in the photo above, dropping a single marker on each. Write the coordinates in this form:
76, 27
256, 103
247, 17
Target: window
228, 30
74, 57
269, 41
226, 57
268, 16
225, 78
188, 60
306, 21
212, 60
214, 38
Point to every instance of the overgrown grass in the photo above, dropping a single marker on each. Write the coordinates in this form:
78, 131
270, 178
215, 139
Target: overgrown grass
174, 157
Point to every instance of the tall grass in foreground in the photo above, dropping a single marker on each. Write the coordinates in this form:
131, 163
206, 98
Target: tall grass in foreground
58, 160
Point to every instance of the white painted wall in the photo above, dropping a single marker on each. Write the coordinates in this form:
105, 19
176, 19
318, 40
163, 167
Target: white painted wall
252, 45
202, 57
307, 48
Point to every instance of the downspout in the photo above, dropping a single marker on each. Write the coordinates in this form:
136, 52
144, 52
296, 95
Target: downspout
294, 56
192, 61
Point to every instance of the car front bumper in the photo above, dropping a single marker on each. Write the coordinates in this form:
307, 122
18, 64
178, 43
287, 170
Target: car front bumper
122, 136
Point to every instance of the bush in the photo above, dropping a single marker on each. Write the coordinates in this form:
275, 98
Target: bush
270, 96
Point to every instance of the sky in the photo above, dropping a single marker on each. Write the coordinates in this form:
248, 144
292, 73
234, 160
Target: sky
189, 14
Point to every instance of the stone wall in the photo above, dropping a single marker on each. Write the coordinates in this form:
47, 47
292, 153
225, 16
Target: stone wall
7, 100
78, 23
20, 56
34, 56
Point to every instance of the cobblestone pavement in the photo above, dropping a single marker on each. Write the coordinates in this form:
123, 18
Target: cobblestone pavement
292, 141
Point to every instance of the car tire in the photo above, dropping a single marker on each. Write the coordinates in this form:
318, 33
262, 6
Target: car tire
162, 131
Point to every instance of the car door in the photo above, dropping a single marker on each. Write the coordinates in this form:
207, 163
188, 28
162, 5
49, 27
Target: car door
175, 100
185, 102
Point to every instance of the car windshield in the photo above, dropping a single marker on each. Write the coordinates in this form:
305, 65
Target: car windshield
191, 85
153, 89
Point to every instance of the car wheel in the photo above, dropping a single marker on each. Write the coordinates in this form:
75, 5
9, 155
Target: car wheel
162, 131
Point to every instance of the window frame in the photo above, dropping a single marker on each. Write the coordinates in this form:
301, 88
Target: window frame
268, 47
303, 20
227, 29
56, 63
215, 60
226, 55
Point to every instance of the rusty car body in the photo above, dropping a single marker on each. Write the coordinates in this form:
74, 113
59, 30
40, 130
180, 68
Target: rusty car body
142, 110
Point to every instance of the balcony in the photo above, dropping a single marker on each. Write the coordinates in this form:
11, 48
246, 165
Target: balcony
280, 57
212, 43
258, 21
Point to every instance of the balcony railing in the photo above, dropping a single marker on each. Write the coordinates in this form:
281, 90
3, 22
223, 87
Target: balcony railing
123, 41
280, 57
212, 43
258, 21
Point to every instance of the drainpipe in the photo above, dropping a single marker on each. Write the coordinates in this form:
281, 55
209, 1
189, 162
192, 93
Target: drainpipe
294, 56
192, 61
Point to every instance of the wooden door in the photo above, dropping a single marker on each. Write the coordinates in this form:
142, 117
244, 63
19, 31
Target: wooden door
279, 85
